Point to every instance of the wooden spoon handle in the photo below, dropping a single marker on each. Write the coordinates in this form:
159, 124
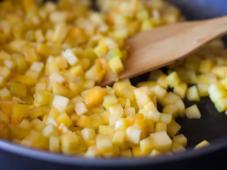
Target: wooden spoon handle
156, 48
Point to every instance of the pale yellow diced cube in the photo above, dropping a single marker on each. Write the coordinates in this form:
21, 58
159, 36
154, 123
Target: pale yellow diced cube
106, 130
49, 130
94, 97
18, 89
133, 134
71, 143
166, 118
160, 126
141, 95
146, 145
91, 152
180, 139
203, 89
206, 66
216, 91
119, 138
159, 91
80, 108
54, 144
193, 94
181, 89
202, 144
155, 152
5, 93
116, 65
64, 119
109, 101
88, 134
173, 79
161, 141
42, 98
60, 102
150, 112
104, 143
173, 128
193, 112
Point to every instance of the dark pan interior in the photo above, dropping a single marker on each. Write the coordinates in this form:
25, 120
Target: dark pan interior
213, 124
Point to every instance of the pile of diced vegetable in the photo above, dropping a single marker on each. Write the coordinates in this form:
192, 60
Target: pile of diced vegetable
53, 57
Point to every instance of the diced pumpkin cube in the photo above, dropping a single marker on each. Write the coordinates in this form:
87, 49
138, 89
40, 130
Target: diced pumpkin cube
180, 139
109, 101
170, 109
116, 113
202, 144
43, 49
119, 138
54, 144
159, 91
176, 147
124, 89
221, 104
91, 152
116, 65
160, 126
126, 153
18, 89
27, 80
94, 96
84, 121
141, 95
60, 102
166, 118
173, 79
19, 112
155, 152
193, 94
5, 93
60, 89
137, 152
216, 91
173, 128
101, 50
161, 141
147, 145
88, 134
71, 144
203, 89
49, 130
106, 130
181, 89
150, 112
42, 98
206, 66
63, 118
4, 131
193, 112
60, 33
36, 140
80, 108
70, 57
104, 143
133, 134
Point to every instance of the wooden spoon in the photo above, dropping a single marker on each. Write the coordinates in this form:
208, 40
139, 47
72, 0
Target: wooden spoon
157, 48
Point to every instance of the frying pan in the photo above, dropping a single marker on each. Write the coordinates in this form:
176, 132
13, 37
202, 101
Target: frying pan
212, 126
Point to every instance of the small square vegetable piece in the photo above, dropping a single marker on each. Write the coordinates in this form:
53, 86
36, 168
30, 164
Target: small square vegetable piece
193, 112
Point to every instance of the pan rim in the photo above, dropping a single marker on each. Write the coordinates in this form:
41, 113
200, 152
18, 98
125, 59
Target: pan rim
107, 162
113, 162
